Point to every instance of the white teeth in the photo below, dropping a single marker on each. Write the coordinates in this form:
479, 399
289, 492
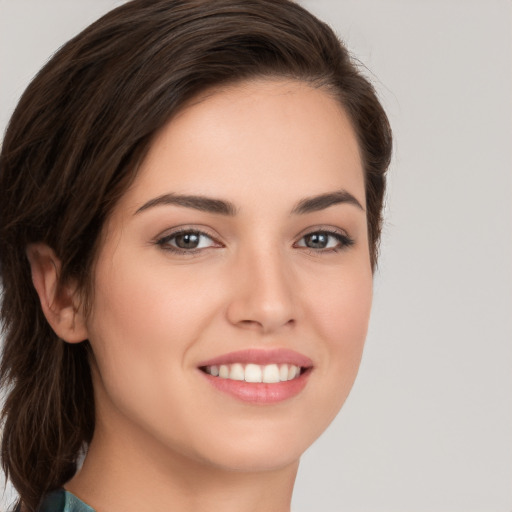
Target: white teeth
269, 374
224, 371
292, 372
236, 372
283, 372
253, 373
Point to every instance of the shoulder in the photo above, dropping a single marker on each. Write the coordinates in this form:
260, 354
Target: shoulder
63, 501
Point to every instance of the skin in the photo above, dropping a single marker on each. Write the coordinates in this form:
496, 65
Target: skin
166, 439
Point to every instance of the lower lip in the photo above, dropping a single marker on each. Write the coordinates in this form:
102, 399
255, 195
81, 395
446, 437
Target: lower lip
260, 392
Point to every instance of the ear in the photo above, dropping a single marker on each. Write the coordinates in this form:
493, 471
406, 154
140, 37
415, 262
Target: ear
60, 303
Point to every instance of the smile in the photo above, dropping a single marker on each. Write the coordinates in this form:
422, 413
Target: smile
269, 373
258, 376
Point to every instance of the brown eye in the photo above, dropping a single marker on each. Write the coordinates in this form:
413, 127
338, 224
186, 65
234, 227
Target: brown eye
187, 240
325, 240
184, 241
317, 240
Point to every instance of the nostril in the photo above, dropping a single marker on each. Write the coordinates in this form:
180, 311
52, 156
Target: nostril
250, 324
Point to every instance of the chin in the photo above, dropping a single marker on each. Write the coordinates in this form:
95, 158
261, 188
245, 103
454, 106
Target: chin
266, 445
247, 457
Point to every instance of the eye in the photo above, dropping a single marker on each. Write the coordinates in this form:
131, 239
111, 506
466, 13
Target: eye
325, 241
184, 241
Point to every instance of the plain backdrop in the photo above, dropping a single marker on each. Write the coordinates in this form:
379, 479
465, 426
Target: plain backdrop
428, 426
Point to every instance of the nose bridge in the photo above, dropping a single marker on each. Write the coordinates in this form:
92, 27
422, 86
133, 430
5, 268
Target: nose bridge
264, 291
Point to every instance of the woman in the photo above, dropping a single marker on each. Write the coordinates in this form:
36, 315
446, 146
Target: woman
193, 208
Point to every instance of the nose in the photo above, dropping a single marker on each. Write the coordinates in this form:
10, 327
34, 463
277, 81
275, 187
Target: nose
264, 296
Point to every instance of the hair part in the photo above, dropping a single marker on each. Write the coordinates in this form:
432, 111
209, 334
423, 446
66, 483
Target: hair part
73, 146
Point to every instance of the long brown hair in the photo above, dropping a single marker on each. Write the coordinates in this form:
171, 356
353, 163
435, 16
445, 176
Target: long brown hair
73, 146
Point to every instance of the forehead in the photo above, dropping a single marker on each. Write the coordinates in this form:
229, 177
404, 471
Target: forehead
266, 136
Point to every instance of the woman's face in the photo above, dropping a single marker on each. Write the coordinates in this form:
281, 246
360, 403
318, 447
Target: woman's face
240, 249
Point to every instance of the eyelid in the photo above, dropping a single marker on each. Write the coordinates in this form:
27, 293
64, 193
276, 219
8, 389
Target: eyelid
342, 235
324, 228
163, 238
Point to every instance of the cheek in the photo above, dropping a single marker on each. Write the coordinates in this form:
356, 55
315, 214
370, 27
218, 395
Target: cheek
142, 308
342, 309
341, 318
143, 323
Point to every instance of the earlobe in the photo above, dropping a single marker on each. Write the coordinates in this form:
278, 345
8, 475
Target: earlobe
59, 303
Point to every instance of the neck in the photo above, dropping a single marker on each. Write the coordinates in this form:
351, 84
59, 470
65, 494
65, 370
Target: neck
120, 475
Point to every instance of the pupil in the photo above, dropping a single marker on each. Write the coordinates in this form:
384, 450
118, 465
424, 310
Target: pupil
317, 240
187, 241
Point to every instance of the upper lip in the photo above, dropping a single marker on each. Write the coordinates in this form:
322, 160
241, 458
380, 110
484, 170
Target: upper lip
260, 356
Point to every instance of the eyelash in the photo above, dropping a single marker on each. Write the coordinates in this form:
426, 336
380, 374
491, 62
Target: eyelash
344, 241
164, 242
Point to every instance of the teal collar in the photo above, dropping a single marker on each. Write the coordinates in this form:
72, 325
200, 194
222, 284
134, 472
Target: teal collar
63, 501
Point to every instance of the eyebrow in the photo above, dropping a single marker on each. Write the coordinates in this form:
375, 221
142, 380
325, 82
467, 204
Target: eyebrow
222, 207
323, 201
205, 204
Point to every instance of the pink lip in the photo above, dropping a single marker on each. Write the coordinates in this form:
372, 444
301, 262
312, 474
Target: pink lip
260, 393
261, 356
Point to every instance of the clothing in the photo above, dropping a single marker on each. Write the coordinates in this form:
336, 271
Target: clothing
63, 501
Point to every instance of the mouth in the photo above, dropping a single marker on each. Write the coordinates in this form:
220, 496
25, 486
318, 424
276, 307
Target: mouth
255, 373
259, 376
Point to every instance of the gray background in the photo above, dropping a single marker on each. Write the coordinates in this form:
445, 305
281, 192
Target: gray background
428, 426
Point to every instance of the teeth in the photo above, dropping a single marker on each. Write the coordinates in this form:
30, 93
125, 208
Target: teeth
269, 374
253, 373
236, 372
283, 372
